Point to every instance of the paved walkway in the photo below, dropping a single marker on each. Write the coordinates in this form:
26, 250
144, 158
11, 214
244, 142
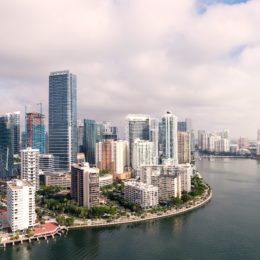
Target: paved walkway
149, 216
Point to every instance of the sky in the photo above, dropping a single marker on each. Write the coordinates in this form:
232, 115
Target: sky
198, 58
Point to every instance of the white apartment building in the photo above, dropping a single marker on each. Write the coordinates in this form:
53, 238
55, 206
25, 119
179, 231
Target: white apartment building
144, 195
105, 180
222, 145
30, 166
142, 153
171, 180
20, 204
121, 155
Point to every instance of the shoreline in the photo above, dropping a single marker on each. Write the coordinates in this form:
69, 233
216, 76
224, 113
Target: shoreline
137, 219
170, 213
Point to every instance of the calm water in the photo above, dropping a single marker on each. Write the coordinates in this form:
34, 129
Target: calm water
226, 228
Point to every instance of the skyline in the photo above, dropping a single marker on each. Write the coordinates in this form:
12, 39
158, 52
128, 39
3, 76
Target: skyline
184, 59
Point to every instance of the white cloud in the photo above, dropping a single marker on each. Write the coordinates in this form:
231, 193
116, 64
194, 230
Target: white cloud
136, 56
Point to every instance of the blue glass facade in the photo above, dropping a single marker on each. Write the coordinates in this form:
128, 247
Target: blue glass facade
6, 147
89, 140
63, 119
35, 131
138, 127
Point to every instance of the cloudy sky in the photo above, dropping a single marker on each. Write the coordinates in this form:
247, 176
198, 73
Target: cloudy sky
198, 58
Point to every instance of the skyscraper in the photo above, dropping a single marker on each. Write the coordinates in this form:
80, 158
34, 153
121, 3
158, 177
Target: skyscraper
30, 166
105, 156
80, 136
63, 118
15, 121
35, 131
184, 147
154, 138
169, 137
89, 140
138, 126
6, 147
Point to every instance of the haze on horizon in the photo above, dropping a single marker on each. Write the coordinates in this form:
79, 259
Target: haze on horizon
199, 59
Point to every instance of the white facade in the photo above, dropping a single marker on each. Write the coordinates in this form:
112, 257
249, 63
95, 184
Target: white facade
258, 148
258, 135
170, 180
213, 142
144, 195
30, 166
154, 138
105, 180
121, 155
142, 153
20, 204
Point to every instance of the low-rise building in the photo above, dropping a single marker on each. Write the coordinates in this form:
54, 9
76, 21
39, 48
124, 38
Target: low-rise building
20, 204
144, 195
60, 179
105, 180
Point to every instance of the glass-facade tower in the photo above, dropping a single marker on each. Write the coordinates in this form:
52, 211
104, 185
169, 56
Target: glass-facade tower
35, 131
6, 147
89, 140
63, 119
138, 127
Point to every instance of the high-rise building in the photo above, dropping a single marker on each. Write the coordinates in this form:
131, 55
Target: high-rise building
144, 195
89, 140
6, 147
105, 156
63, 118
105, 130
258, 135
121, 154
138, 127
80, 136
46, 163
169, 137
184, 147
15, 121
85, 184
243, 143
20, 204
35, 131
142, 153
30, 166
202, 140
185, 126
154, 138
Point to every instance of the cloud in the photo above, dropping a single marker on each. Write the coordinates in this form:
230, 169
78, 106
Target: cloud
138, 56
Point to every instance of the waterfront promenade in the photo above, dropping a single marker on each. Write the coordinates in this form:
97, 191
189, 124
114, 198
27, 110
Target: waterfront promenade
52, 229
196, 203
